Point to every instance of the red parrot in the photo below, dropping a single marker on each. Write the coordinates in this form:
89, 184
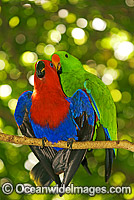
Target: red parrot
48, 113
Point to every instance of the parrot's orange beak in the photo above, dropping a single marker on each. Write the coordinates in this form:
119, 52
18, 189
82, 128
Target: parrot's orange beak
56, 62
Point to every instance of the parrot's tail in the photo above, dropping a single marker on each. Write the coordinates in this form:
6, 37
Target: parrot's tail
108, 160
40, 176
108, 163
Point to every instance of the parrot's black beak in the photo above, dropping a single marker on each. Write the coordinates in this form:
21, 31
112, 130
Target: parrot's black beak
40, 69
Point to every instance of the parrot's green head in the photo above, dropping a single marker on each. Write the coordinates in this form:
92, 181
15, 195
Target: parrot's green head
68, 69
64, 62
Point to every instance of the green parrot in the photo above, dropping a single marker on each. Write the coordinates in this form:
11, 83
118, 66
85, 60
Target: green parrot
73, 76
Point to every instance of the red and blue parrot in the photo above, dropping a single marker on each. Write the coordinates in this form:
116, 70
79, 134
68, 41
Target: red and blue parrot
48, 113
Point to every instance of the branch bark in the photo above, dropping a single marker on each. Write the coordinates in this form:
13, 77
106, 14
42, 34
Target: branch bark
124, 144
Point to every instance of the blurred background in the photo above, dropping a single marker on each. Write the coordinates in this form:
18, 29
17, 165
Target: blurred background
101, 34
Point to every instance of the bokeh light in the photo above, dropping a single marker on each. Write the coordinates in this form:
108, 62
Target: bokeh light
49, 49
71, 18
130, 196
55, 36
20, 39
116, 94
40, 48
15, 73
3, 55
78, 33
27, 5
32, 158
80, 41
112, 72
126, 97
31, 162
112, 63
63, 13
12, 104
123, 50
81, 22
14, 21
131, 79
48, 24
107, 79
101, 171
31, 22
1, 165
131, 63
61, 28
118, 179
5, 90
29, 57
47, 5
99, 24
2, 64
31, 80
130, 3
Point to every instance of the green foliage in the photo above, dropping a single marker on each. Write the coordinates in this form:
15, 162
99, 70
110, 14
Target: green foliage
32, 30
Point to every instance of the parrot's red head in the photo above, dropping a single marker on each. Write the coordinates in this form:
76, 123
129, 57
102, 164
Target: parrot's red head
45, 75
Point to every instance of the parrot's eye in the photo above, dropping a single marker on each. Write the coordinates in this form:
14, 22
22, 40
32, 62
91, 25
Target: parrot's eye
66, 55
51, 64
40, 69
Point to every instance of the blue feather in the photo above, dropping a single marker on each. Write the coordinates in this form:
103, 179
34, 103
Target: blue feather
24, 102
65, 130
79, 103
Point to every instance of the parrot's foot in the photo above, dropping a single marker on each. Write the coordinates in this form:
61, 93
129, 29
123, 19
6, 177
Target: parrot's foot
70, 142
44, 139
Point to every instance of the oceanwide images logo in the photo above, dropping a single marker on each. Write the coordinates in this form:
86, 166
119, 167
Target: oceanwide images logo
7, 188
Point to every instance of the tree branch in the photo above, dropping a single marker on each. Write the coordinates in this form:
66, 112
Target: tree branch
124, 144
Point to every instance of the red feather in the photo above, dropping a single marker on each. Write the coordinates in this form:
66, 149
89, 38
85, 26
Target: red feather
49, 104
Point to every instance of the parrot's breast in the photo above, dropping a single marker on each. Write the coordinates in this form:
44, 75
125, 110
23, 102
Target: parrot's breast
49, 110
64, 131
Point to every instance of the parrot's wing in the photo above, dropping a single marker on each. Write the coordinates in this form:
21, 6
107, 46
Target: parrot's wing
84, 118
103, 105
46, 155
105, 109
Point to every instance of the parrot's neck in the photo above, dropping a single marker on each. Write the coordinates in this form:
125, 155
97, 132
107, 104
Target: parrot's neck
49, 105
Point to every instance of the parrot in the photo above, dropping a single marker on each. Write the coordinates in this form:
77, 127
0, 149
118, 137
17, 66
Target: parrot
73, 76
47, 113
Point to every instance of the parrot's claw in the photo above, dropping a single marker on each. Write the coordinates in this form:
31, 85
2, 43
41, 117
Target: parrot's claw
44, 139
70, 142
